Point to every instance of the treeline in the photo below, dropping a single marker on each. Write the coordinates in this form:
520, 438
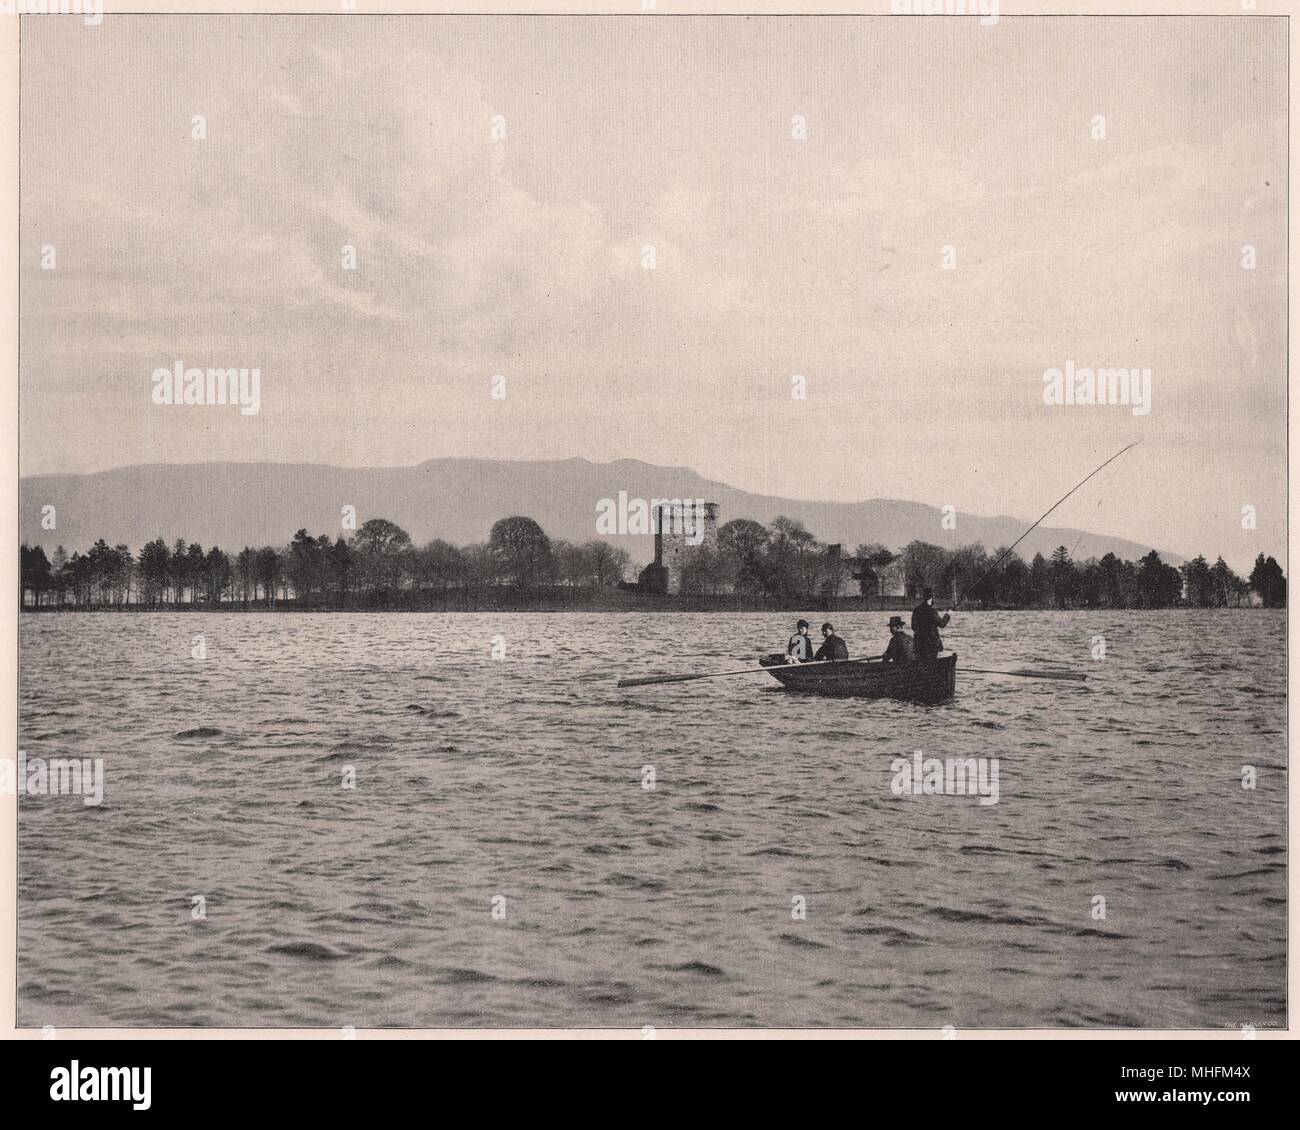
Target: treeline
1106, 582
379, 567
376, 567
786, 562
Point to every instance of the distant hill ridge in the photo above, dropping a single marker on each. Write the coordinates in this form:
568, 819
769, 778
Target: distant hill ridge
238, 504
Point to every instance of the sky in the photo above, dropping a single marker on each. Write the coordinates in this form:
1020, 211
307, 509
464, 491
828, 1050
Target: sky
798, 180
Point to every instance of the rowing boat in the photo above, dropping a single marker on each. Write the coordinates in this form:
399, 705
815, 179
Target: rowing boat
932, 680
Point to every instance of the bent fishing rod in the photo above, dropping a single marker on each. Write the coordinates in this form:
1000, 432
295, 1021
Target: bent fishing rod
1007, 552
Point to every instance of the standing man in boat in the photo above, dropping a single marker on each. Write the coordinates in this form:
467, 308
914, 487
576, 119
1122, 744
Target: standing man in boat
800, 647
900, 649
833, 647
926, 623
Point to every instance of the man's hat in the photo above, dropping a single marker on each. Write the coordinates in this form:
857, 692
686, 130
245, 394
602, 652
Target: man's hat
801, 624
828, 627
895, 621
927, 593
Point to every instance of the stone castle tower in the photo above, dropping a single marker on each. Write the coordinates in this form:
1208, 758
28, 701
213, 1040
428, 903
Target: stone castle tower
679, 526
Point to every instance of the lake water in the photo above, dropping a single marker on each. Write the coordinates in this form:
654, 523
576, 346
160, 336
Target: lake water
522, 779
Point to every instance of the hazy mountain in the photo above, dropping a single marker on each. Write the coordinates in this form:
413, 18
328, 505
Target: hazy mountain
237, 504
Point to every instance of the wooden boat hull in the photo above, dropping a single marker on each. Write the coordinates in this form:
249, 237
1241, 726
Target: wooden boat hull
934, 680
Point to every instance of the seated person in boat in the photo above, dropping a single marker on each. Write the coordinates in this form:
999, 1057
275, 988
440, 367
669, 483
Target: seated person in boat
833, 647
900, 649
800, 647
926, 623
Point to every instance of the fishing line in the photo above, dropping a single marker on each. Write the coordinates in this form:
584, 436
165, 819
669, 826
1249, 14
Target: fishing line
1105, 488
1083, 532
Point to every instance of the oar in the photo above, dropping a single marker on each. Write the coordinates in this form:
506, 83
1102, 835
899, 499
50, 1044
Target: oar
646, 681
649, 679
1071, 675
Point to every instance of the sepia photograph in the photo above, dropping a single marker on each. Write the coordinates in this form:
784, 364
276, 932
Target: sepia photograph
651, 521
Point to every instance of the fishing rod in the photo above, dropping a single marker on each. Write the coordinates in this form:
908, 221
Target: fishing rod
1007, 552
